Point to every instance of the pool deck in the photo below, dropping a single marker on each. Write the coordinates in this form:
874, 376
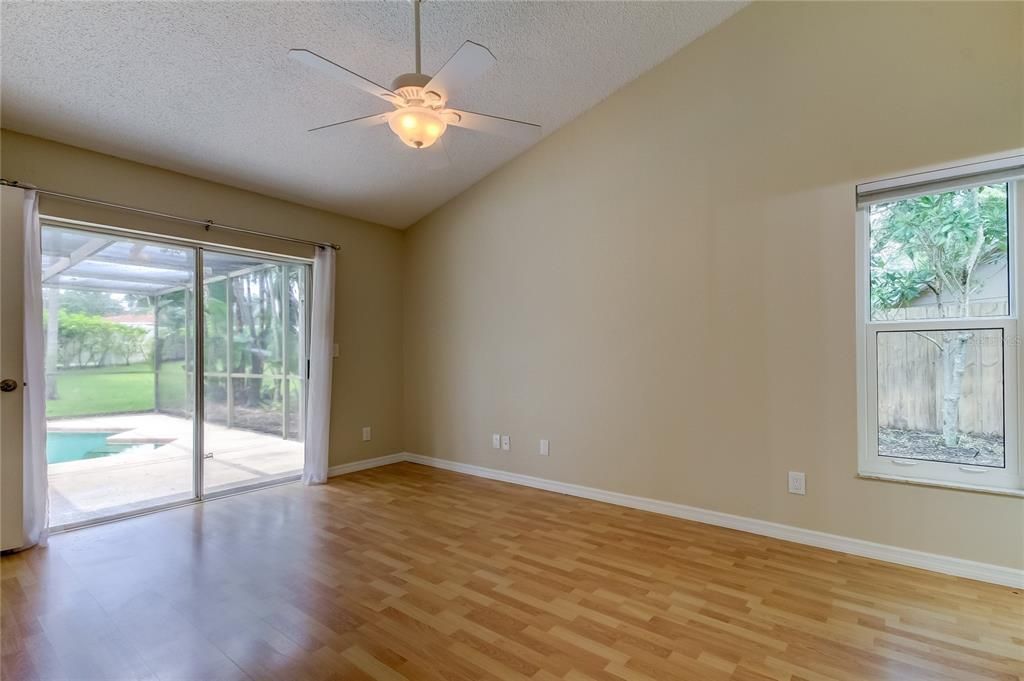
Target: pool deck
91, 488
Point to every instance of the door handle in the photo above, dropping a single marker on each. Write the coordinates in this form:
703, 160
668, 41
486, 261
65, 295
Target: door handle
8, 385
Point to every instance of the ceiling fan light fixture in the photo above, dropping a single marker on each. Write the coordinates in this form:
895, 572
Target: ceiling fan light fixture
421, 113
417, 127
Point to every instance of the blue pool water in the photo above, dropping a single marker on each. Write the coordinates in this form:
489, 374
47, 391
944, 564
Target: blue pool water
61, 447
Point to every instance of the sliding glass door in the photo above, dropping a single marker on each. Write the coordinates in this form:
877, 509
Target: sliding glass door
138, 358
254, 379
120, 335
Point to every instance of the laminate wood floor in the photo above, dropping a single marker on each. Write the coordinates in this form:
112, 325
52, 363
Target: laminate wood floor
408, 572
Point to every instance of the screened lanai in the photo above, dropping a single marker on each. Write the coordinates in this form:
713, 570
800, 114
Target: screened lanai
84, 261
121, 348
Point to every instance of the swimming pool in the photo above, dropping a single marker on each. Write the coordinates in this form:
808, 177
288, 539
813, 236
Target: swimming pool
62, 447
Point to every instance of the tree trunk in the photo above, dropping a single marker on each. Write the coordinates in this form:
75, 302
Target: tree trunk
255, 385
953, 364
52, 340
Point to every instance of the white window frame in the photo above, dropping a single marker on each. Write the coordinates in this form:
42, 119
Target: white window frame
1008, 480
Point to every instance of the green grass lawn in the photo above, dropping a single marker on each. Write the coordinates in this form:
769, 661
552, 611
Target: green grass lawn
114, 390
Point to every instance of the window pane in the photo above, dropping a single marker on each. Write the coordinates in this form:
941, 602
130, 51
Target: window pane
215, 319
256, 335
295, 342
253, 414
173, 345
215, 400
119, 330
941, 255
940, 396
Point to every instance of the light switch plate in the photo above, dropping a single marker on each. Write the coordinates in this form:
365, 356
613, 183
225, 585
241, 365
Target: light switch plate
496, 441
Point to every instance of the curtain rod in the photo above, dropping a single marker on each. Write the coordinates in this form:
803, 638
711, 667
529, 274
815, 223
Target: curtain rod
207, 224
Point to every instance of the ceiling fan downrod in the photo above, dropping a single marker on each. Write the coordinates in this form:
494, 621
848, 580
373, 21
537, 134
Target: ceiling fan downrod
416, 14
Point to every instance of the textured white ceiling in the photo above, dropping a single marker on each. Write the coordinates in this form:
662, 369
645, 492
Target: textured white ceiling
206, 88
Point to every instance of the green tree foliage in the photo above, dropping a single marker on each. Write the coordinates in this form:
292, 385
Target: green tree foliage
172, 321
936, 243
90, 340
254, 321
104, 303
97, 303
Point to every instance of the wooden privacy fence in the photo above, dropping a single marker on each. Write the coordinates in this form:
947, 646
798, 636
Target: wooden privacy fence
910, 381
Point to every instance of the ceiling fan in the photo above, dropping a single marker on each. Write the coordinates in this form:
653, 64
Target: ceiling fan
421, 114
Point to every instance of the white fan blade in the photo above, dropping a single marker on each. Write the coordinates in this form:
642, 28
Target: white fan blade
496, 125
462, 68
340, 73
364, 122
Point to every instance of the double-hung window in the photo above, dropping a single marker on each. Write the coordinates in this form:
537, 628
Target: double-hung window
940, 282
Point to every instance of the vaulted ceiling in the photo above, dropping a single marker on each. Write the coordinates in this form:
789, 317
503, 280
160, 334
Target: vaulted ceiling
206, 88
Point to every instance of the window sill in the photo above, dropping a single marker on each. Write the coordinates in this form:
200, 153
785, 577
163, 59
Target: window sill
962, 486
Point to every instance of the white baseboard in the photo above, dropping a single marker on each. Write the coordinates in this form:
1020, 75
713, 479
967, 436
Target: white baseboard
958, 567
344, 468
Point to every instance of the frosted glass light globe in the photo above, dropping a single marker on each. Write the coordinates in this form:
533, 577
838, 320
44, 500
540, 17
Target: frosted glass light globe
418, 127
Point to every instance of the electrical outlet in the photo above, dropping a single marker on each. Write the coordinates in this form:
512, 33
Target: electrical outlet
495, 441
544, 448
367, 433
506, 443
337, 350
797, 483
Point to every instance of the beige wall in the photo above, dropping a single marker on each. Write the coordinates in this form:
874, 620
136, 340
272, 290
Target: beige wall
665, 287
368, 374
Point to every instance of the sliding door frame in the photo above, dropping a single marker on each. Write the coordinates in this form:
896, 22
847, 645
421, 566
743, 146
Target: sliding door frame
199, 249
198, 379
283, 260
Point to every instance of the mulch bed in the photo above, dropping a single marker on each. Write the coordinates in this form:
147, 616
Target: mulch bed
972, 449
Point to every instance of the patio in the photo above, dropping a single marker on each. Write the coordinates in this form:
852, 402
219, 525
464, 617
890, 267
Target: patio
161, 471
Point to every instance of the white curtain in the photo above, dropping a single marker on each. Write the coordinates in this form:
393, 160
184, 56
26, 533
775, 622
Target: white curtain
321, 355
34, 494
